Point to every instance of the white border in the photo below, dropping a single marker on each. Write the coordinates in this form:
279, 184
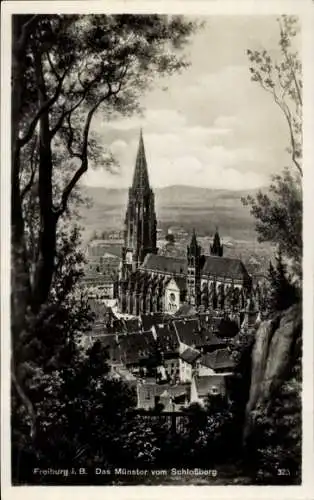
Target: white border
303, 8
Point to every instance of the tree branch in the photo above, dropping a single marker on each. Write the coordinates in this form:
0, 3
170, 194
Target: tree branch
53, 69
25, 32
82, 156
28, 186
298, 90
292, 140
46, 105
65, 114
287, 115
70, 140
289, 62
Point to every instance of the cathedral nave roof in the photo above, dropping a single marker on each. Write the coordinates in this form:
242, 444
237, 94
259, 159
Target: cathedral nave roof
164, 264
224, 267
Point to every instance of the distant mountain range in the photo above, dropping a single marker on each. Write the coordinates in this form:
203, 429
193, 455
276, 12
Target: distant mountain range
182, 206
169, 195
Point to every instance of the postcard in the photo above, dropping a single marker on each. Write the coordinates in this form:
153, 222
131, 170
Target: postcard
158, 260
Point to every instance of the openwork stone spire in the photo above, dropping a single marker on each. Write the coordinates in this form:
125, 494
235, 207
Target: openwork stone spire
140, 227
140, 177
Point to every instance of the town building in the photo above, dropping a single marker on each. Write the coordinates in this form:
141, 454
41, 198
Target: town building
171, 398
149, 282
100, 285
204, 386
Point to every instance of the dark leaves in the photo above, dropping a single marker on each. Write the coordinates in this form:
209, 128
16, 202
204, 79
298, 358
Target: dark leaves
278, 216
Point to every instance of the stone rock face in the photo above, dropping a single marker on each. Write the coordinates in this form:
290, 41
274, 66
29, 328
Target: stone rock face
271, 357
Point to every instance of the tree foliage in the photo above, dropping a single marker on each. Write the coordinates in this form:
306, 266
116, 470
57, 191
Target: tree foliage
278, 216
81, 412
282, 293
59, 323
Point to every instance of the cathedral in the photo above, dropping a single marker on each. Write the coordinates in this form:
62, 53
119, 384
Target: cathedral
149, 282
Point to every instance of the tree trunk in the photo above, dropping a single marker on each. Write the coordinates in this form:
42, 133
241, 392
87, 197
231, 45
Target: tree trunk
45, 266
48, 219
20, 285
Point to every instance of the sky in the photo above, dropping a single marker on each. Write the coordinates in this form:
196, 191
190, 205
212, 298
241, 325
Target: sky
208, 126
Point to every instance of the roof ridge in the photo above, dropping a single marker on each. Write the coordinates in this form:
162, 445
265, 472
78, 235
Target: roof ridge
224, 258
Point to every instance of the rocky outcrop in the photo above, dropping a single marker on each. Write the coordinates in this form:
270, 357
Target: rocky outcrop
271, 358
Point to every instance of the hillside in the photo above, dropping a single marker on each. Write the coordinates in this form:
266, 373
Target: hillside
183, 206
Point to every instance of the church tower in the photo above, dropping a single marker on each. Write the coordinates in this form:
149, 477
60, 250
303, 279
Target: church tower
140, 225
216, 248
194, 271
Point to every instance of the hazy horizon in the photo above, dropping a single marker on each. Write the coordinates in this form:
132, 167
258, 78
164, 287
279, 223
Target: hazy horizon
186, 186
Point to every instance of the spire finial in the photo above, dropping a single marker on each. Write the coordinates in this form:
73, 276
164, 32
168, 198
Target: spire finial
193, 245
194, 249
216, 248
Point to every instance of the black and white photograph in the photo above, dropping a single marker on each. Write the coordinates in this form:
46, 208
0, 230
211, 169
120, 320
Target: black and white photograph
156, 249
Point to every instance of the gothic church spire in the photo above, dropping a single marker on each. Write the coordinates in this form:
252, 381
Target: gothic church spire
140, 233
140, 177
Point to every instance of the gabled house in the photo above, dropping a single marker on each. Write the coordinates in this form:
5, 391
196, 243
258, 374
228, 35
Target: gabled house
137, 350
179, 365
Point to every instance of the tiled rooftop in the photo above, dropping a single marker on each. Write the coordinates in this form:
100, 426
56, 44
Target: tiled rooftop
190, 355
136, 347
224, 267
149, 320
218, 360
188, 332
163, 264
